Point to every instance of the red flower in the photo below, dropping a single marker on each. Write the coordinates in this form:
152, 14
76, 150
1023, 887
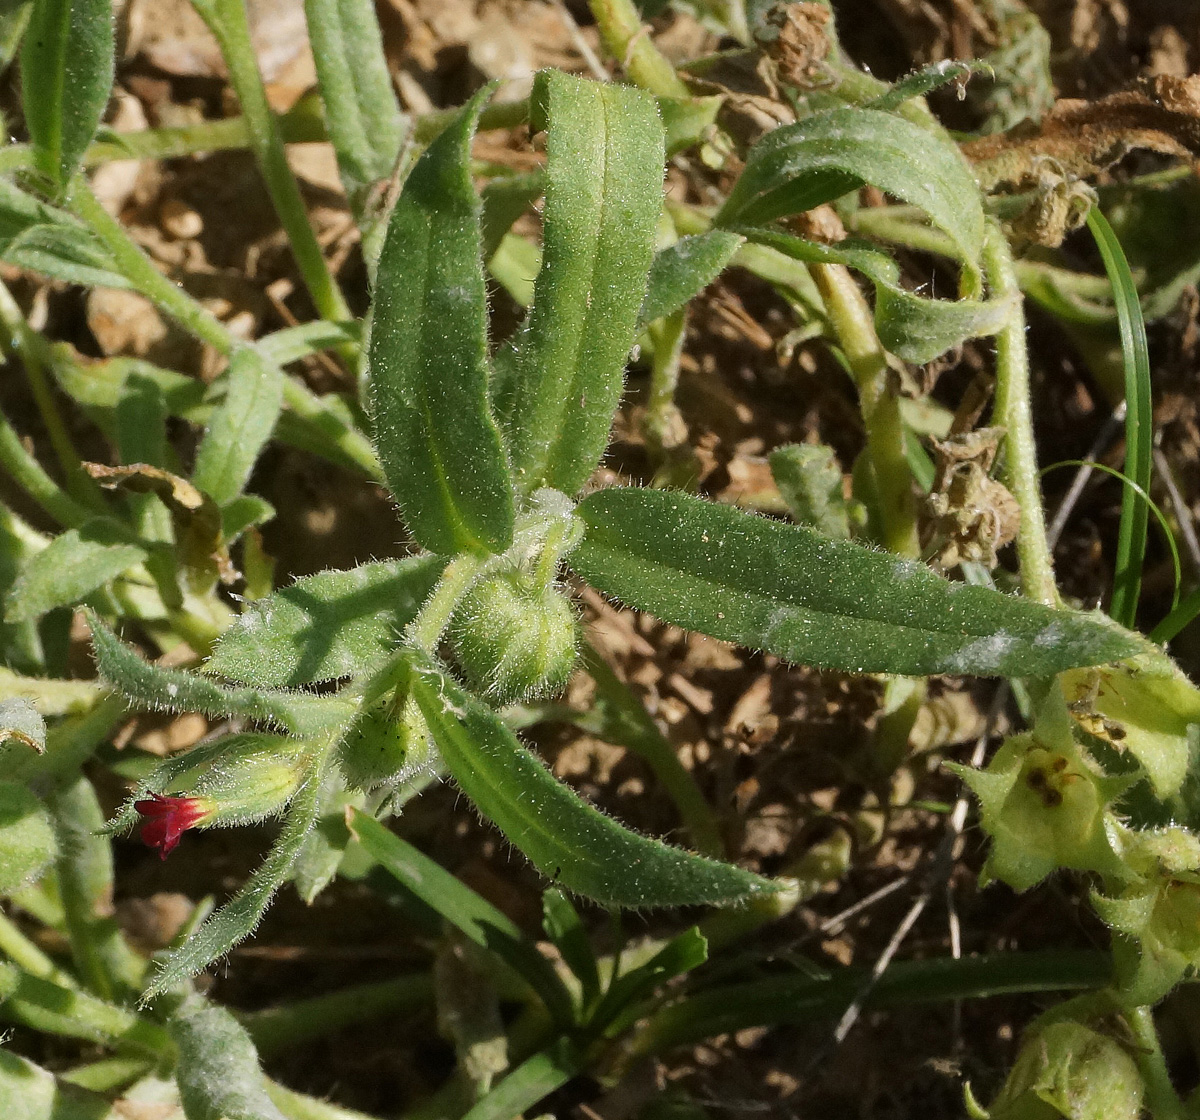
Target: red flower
168, 818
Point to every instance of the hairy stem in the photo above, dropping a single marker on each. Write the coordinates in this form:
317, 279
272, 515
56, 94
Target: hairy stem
1012, 411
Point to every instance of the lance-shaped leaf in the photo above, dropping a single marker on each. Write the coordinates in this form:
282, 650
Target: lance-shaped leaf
816, 601
66, 77
842, 148
603, 200
239, 427
151, 686
45, 239
73, 565
683, 270
434, 432
325, 626
363, 119
910, 326
563, 836
218, 1073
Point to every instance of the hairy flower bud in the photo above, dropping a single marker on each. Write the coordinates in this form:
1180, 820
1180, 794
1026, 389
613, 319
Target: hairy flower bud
514, 637
389, 743
237, 780
1066, 1069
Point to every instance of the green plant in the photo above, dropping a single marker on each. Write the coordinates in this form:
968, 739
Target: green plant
362, 685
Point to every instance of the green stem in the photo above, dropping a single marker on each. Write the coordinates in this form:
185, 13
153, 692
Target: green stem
854, 325
1012, 411
227, 21
25, 345
1160, 1093
28, 473
21, 951
628, 40
195, 318
425, 630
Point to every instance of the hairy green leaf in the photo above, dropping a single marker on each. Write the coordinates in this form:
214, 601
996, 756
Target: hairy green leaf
218, 1073
683, 270
27, 842
329, 625
74, 564
816, 601
912, 163
42, 238
910, 326
434, 431
563, 836
151, 686
603, 200
66, 77
32, 1093
240, 427
362, 116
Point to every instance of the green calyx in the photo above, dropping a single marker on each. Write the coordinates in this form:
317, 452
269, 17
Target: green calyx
515, 636
389, 743
1045, 803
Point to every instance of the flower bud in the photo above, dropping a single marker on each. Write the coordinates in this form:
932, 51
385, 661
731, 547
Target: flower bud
389, 743
1066, 1069
237, 780
514, 637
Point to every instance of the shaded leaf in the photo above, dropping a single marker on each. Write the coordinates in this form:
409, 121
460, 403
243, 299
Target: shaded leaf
816, 601
72, 566
325, 626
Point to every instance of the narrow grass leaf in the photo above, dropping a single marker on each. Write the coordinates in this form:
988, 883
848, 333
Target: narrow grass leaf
218, 1074
1139, 422
240, 427
533, 1079
362, 116
434, 431
1179, 617
325, 626
912, 163
236, 920
151, 686
603, 200
70, 568
564, 837
470, 913
816, 601
683, 270
66, 78
565, 928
